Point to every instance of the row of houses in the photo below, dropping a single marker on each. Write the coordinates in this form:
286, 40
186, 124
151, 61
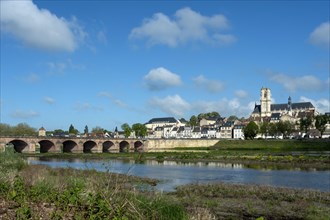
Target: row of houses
208, 128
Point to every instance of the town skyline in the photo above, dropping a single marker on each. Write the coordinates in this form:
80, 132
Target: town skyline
120, 62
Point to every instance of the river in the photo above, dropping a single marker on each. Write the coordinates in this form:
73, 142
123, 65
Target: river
172, 174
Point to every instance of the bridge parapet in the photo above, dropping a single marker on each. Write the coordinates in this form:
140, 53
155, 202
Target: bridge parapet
98, 145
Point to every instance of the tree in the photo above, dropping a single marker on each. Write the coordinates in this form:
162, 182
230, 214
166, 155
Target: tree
306, 123
127, 130
320, 123
86, 130
139, 129
97, 129
272, 130
208, 115
5, 129
72, 130
193, 121
285, 128
251, 130
264, 128
232, 118
23, 129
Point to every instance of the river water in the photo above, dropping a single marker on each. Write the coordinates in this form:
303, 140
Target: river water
173, 174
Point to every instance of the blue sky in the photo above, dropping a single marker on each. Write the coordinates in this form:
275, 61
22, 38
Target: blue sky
105, 63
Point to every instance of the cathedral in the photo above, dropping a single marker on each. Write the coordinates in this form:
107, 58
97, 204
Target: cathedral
292, 112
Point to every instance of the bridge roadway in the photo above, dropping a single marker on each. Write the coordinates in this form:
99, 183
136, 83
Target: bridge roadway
97, 145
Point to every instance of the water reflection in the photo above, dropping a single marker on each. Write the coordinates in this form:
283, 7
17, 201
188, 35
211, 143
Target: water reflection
173, 173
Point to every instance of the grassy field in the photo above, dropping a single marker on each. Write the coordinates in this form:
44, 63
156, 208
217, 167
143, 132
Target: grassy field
39, 192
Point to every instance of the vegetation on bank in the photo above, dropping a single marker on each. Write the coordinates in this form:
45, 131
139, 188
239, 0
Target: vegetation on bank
39, 192
305, 154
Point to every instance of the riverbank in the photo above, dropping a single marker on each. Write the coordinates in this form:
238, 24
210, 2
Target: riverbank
275, 154
40, 192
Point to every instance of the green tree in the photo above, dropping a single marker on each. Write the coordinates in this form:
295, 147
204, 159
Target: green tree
193, 121
5, 130
264, 128
320, 123
127, 129
272, 130
306, 123
251, 130
23, 129
232, 118
86, 130
139, 129
97, 129
59, 132
208, 115
285, 128
72, 130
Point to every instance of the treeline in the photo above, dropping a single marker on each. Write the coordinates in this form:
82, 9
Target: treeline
286, 128
21, 129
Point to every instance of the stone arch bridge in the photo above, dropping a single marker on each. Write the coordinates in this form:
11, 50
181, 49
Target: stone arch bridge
71, 144
98, 145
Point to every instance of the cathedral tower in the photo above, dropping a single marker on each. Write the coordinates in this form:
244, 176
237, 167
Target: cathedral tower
265, 102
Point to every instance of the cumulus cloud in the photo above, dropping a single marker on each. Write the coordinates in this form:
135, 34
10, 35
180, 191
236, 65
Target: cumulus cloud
177, 106
19, 114
49, 100
225, 107
321, 105
321, 35
39, 28
187, 25
161, 78
212, 86
172, 105
298, 83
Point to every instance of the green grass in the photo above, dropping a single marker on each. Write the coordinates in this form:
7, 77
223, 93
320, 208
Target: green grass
274, 145
39, 192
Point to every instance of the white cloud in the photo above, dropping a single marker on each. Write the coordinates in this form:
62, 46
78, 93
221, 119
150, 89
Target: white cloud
24, 114
241, 94
302, 83
39, 28
321, 105
172, 105
186, 26
49, 100
321, 35
225, 107
177, 106
212, 86
161, 78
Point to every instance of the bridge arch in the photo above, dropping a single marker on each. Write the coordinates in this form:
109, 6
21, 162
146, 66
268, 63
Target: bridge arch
124, 147
19, 145
106, 146
46, 146
88, 146
69, 146
138, 146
